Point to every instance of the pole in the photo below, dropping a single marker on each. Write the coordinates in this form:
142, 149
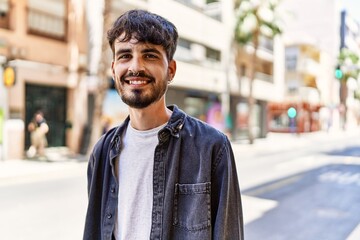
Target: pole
3, 111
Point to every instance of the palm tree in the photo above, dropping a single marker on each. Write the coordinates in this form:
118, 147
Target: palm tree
254, 19
98, 16
348, 64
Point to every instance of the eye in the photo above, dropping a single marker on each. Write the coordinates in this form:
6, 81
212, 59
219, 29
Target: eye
150, 56
124, 56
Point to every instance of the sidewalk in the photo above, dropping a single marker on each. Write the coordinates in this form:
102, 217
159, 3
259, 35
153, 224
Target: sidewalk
275, 142
56, 160
60, 158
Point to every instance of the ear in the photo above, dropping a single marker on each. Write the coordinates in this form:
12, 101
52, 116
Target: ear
172, 69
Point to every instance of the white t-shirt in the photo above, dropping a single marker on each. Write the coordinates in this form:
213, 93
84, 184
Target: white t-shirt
135, 175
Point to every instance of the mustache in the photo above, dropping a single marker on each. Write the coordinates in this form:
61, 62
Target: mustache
137, 74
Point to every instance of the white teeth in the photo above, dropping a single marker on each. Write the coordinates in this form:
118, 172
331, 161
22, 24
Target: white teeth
137, 82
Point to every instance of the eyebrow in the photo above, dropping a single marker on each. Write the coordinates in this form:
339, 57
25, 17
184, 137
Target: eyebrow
129, 50
121, 51
151, 50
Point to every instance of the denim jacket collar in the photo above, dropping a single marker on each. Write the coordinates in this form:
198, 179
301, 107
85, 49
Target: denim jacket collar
173, 127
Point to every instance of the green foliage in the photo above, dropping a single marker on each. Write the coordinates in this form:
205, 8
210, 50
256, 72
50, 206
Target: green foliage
357, 94
349, 63
348, 55
254, 18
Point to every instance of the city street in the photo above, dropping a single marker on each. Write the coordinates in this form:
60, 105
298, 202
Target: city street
294, 187
43, 206
310, 190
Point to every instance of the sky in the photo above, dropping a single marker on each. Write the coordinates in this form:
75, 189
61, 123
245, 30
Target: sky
353, 7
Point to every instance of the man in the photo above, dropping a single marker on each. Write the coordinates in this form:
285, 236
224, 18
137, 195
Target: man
161, 174
38, 129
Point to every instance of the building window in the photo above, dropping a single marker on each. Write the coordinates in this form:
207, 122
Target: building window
266, 43
183, 51
184, 43
4, 13
47, 18
243, 70
211, 8
291, 57
196, 53
213, 54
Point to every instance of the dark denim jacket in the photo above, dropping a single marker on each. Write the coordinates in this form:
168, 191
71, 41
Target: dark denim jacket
196, 190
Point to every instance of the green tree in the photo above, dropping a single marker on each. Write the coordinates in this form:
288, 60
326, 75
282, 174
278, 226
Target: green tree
255, 18
349, 64
98, 18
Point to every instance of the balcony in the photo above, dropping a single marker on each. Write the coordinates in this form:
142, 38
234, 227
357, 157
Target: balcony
4, 14
266, 44
46, 24
308, 66
264, 77
212, 9
183, 54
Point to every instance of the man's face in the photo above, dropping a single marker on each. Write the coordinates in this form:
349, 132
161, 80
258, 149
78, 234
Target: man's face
38, 117
141, 72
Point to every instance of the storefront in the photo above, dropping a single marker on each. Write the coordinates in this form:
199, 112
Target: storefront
240, 113
52, 102
203, 105
306, 117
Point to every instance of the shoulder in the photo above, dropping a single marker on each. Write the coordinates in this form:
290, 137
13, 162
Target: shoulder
195, 130
205, 138
203, 129
104, 142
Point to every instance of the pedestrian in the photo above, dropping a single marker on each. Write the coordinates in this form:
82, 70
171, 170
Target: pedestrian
161, 174
38, 129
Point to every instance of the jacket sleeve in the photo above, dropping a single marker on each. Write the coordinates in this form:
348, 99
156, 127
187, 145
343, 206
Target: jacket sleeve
92, 228
227, 216
90, 170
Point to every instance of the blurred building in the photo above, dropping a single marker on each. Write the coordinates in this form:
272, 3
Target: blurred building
350, 90
301, 90
45, 42
268, 85
311, 51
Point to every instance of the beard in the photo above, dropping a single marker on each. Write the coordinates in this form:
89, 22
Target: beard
142, 98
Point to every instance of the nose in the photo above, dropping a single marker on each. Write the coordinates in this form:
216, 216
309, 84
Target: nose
136, 65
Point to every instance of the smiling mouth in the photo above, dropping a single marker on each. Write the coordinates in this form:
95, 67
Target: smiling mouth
137, 82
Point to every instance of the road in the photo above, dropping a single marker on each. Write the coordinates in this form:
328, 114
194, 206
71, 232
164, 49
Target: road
308, 190
46, 206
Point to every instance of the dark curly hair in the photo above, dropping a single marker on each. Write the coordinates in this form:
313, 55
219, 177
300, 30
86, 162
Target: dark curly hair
145, 27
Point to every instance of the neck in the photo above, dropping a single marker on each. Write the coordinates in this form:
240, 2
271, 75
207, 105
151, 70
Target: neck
149, 117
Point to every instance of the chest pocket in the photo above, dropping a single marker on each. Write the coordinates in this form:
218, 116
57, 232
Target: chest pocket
192, 206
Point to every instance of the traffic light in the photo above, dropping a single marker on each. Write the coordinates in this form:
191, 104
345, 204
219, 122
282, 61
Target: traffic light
338, 72
291, 112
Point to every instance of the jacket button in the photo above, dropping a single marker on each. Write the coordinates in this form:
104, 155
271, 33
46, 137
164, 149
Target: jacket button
109, 216
112, 190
